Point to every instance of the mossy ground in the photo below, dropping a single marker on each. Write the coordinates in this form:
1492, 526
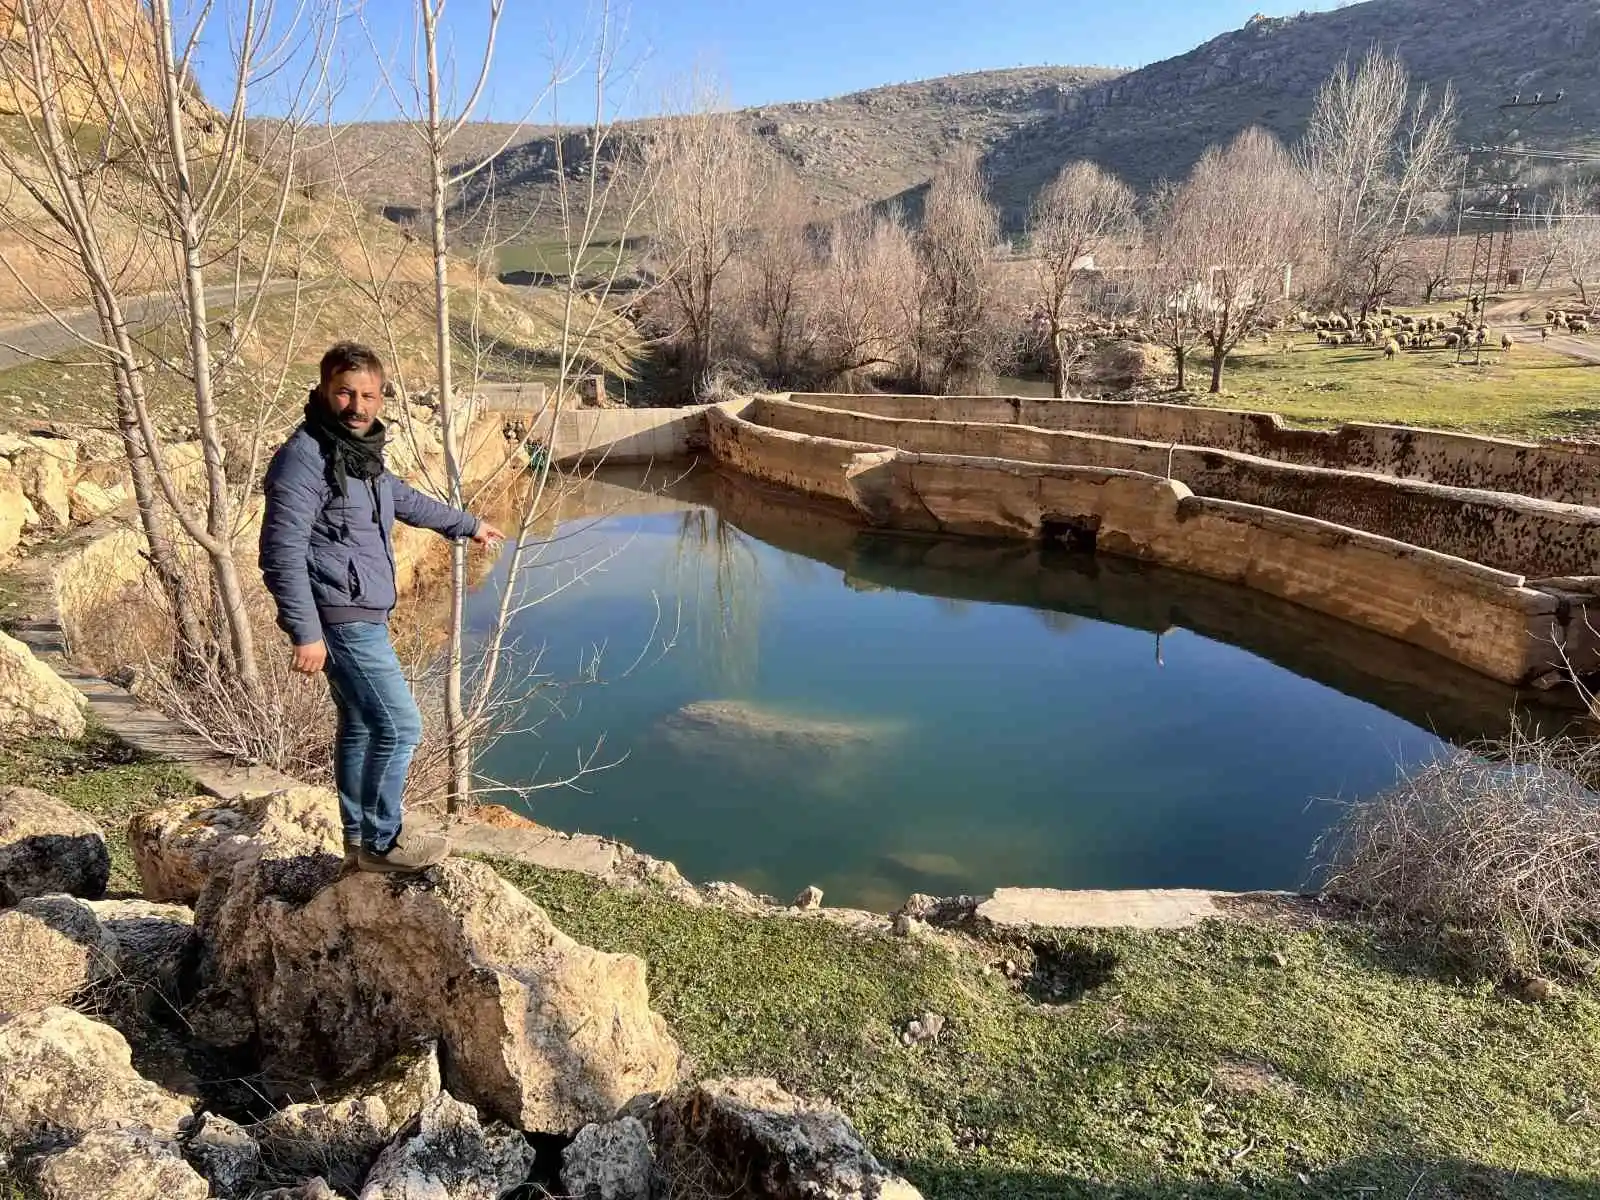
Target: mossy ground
102, 778
1195, 1066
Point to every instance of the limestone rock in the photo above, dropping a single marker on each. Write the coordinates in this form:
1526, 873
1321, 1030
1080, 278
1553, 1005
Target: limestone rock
14, 509
809, 898
46, 466
312, 1189
89, 500
178, 847
51, 949
120, 1164
609, 1162
342, 1135
222, 1152
537, 1029
156, 944
187, 462
66, 1074
750, 1137
34, 700
48, 847
451, 1157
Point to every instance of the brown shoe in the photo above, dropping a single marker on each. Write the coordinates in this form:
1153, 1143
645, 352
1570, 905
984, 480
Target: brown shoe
352, 851
410, 852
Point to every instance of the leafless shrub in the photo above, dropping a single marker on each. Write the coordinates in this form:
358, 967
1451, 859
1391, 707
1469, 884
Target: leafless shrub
960, 341
1496, 850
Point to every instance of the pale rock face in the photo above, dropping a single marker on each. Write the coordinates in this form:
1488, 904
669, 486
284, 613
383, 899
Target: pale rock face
451, 1157
120, 1164
15, 510
89, 500
178, 847
222, 1152
609, 1162
34, 700
46, 847
341, 1136
51, 949
46, 468
537, 1029
65, 1073
751, 1134
311, 1189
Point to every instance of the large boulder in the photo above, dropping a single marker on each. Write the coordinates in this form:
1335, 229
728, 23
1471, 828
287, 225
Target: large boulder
66, 1075
451, 1157
46, 467
179, 846
156, 946
539, 1030
16, 511
52, 948
46, 847
750, 1137
609, 1162
223, 1152
119, 1164
34, 700
341, 1135
89, 500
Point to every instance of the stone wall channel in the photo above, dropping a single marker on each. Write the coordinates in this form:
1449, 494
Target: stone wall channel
991, 481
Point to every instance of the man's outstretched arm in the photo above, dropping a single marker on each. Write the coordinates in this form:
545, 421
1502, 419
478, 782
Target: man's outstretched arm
424, 512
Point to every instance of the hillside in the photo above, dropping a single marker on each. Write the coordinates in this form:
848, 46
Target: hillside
1148, 124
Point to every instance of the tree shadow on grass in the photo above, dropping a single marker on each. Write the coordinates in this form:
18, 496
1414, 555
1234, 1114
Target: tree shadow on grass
1397, 1177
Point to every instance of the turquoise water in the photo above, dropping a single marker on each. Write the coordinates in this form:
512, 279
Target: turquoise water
780, 698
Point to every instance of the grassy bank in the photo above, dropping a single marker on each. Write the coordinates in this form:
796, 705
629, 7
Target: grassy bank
1193, 1064
102, 778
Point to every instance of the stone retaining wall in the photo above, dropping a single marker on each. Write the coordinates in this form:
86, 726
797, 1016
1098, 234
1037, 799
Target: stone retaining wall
1536, 538
1484, 618
1566, 474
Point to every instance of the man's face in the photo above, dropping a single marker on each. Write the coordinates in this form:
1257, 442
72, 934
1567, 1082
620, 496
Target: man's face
355, 398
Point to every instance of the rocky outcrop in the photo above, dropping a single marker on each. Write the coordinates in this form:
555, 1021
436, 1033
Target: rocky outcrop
612, 1161
34, 700
47, 847
222, 1152
52, 948
66, 1076
88, 500
119, 1164
341, 1135
537, 1029
451, 1157
16, 512
178, 847
46, 467
156, 946
750, 1137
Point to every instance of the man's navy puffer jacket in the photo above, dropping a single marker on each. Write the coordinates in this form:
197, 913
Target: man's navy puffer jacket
329, 558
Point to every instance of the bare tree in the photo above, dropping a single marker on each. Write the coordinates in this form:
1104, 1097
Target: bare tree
870, 270
1170, 280
1380, 159
779, 269
960, 334
1241, 219
707, 190
1080, 212
167, 165
1569, 239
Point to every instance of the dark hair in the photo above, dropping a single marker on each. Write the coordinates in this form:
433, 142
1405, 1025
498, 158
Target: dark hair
350, 356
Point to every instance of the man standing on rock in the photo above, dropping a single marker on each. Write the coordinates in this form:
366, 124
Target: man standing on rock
327, 557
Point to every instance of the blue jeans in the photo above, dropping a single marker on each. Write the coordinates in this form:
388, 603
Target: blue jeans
379, 730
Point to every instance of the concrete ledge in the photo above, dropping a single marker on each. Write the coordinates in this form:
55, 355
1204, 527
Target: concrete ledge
1020, 909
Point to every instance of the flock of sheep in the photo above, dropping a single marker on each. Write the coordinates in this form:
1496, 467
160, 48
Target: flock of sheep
1395, 332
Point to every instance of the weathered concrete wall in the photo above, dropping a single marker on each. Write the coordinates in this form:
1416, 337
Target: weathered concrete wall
1475, 615
1566, 474
1536, 538
626, 435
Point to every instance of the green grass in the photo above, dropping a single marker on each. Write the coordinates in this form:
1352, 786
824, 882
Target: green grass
101, 777
550, 255
1379, 1076
1527, 393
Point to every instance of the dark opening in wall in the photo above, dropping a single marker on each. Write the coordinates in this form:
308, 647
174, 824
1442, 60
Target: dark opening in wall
1079, 532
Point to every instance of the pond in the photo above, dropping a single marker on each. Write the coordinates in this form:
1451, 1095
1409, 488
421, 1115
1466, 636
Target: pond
780, 697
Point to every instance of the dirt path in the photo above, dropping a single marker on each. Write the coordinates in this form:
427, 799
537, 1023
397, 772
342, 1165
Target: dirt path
1509, 312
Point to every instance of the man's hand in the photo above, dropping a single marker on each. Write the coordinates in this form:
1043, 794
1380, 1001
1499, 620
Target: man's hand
310, 658
487, 534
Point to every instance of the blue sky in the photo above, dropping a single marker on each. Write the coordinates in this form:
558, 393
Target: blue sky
769, 52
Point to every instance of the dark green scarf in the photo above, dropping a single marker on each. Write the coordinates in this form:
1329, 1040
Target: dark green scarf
349, 453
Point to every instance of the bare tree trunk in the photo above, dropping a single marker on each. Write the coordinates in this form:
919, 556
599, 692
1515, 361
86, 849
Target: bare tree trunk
1218, 358
458, 794
1181, 355
1059, 383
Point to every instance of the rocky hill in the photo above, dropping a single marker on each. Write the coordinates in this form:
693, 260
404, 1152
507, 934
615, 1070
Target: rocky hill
1154, 122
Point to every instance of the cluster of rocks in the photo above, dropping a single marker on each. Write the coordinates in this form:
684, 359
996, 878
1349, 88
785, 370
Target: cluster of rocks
401, 1037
